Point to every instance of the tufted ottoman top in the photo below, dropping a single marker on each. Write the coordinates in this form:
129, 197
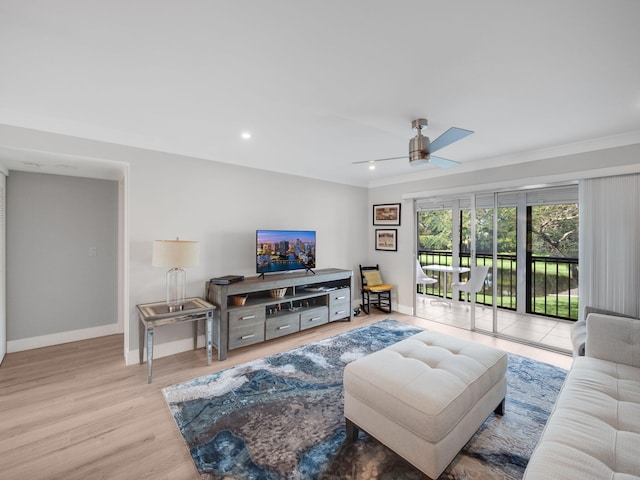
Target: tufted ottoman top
427, 382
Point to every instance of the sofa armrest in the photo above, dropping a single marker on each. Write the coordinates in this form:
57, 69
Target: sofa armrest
613, 338
578, 337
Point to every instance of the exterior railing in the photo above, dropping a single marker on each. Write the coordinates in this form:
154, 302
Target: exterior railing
552, 282
554, 287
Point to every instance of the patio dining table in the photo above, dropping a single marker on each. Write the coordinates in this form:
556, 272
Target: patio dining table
448, 270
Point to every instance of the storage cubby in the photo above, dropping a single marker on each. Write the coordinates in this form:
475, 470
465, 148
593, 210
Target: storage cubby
249, 313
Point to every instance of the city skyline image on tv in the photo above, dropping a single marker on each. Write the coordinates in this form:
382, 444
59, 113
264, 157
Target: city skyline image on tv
285, 250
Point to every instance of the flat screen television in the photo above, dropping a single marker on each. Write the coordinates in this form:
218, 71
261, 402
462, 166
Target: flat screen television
285, 250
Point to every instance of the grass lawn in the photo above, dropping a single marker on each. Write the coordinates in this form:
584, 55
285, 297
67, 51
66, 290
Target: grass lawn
551, 305
562, 312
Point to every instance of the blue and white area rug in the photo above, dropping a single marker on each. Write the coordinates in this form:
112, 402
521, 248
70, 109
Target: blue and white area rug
281, 417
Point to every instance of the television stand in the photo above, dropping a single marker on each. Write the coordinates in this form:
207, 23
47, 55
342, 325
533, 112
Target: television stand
249, 314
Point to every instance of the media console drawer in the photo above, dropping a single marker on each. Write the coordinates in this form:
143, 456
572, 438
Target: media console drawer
246, 315
340, 295
282, 325
313, 317
248, 334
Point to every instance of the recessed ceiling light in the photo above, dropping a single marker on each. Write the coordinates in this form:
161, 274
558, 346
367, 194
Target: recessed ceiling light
372, 166
246, 135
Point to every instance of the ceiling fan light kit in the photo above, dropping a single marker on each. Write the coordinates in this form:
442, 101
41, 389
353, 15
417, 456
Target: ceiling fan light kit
419, 145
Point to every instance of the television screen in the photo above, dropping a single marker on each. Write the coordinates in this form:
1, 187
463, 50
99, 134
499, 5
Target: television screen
284, 250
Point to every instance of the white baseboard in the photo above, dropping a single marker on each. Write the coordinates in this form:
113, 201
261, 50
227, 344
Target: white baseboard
404, 309
165, 349
62, 337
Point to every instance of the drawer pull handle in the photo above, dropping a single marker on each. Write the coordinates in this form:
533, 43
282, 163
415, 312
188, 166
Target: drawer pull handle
283, 327
341, 298
341, 311
314, 319
246, 337
248, 317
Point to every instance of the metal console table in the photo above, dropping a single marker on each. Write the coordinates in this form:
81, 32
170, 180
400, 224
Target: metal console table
156, 314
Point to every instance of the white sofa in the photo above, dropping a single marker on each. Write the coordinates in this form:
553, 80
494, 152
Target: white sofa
594, 429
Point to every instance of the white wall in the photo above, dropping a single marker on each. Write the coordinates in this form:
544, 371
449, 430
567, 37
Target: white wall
399, 266
61, 257
221, 206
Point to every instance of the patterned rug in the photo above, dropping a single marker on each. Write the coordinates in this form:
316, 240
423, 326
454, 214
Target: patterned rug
281, 417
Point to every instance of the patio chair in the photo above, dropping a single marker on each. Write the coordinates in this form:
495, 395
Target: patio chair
422, 278
474, 285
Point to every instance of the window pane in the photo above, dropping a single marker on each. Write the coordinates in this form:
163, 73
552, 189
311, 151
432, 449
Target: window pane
554, 260
554, 230
434, 230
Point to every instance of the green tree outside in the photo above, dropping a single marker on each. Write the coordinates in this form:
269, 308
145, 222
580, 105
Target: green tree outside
554, 233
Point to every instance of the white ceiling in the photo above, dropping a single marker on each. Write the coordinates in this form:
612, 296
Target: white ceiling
323, 84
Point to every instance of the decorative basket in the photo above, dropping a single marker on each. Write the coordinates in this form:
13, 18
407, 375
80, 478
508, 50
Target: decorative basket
239, 300
277, 292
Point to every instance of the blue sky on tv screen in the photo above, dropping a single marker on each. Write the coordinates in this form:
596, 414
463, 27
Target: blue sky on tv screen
290, 235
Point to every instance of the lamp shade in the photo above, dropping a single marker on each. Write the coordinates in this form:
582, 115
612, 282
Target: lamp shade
175, 253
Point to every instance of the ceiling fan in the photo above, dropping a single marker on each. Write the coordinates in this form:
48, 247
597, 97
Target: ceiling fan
420, 148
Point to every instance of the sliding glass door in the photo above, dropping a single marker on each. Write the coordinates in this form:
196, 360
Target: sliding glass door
523, 244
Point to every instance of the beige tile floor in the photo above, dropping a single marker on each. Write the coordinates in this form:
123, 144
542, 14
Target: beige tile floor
546, 332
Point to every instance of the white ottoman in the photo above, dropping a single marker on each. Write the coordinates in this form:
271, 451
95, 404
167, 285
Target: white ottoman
425, 397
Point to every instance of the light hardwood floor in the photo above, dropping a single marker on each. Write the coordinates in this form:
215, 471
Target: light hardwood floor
75, 411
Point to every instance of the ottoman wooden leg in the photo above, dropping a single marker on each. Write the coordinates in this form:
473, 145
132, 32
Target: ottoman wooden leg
352, 430
500, 408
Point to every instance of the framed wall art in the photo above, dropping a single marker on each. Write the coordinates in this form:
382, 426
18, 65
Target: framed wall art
387, 239
387, 214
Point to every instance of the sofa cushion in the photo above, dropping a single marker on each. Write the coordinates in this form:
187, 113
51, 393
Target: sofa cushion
613, 338
579, 329
594, 430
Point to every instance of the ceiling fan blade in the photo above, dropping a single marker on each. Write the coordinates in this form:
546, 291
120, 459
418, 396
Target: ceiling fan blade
447, 138
442, 162
379, 160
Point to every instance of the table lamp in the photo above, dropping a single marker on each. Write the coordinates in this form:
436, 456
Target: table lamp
176, 254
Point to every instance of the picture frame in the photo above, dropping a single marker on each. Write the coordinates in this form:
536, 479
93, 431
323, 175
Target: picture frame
387, 239
386, 214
